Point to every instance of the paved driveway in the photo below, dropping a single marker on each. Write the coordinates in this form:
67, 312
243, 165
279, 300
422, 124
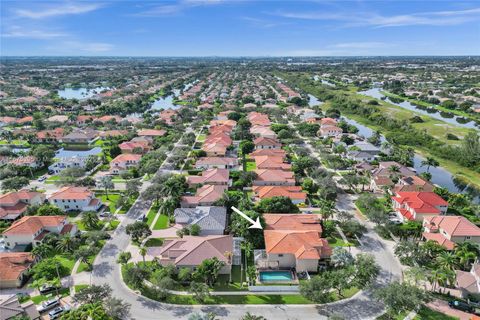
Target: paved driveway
442, 306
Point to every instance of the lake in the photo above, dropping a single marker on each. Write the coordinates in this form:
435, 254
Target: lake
375, 93
164, 103
80, 93
440, 176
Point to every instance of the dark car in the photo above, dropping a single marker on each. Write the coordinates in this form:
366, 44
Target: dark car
461, 306
46, 288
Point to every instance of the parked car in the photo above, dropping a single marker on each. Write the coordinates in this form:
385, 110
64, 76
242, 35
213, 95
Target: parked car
42, 178
47, 305
46, 288
104, 214
141, 218
57, 312
455, 304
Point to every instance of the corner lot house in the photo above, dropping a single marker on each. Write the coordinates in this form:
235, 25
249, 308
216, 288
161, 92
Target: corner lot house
32, 230
75, 198
14, 266
293, 241
211, 220
190, 251
417, 205
14, 204
449, 230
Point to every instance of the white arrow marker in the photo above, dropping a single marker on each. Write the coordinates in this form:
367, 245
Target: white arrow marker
255, 224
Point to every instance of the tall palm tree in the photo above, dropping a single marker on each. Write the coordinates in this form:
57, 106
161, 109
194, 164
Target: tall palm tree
167, 206
90, 219
466, 253
143, 253
66, 243
430, 162
42, 250
447, 260
106, 183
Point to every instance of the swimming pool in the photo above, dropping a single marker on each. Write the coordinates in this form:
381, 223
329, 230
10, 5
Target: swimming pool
274, 276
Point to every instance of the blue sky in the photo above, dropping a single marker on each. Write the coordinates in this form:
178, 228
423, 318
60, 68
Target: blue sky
239, 28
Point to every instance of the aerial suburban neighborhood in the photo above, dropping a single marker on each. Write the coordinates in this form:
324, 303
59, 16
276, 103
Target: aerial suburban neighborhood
249, 188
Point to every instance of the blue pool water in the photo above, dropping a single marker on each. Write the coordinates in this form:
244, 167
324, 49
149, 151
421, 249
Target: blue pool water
266, 276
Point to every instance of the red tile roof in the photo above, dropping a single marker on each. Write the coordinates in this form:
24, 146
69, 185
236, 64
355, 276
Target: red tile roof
13, 264
69, 192
32, 224
421, 202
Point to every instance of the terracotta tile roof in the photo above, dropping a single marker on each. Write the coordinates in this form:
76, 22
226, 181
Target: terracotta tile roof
192, 250
205, 194
267, 175
13, 264
421, 202
69, 192
466, 281
440, 239
271, 162
211, 176
152, 133
217, 161
23, 161
263, 141
302, 244
269, 152
455, 226
328, 121
413, 183
124, 157
292, 192
32, 224
12, 198
292, 221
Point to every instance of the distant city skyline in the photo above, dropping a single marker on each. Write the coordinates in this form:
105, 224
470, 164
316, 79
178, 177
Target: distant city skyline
230, 28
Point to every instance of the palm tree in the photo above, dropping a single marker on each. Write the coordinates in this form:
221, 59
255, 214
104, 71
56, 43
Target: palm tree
66, 243
466, 252
326, 209
107, 184
167, 206
143, 253
229, 256
249, 316
430, 162
41, 250
434, 278
447, 260
247, 251
90, 220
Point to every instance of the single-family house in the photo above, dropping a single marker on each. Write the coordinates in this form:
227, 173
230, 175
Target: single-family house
33, 229
14, 204
63, 163
139, 147
418, 205
151, 133
293, 241
15, 267
75, 198
211, 220
295, 193
206, 195
26, 161
266, 143
413, 183
217, 162
450, 230
87, 136
262, 131
469, 282
124, 162
210, 176
190, 251
11, 308
50, 136
269, 152
267, 177
272, 163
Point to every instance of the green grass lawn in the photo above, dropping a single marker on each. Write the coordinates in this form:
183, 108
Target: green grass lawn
113, 225
40, 298
52, 179
426, 313
127, 207
66, 261
111, 202
201, 137
223, 281
79, 287
162, 222
337, 241
151, 214
82, 227
251, 165
154, 242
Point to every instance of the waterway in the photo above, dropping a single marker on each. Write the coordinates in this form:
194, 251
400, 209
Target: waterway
80, 93
440, 176
434, 113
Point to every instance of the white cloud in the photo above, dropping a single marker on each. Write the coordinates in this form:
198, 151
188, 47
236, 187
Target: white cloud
169, 9
361, 45
58, 10
435, 18
262, 23
19, 32
88, 47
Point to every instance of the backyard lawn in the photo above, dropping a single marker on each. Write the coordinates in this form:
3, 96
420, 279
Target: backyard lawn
111, 202
251, 165
162, 222
223, 281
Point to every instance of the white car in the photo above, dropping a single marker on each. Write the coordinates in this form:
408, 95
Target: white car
47, 305
57, 312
